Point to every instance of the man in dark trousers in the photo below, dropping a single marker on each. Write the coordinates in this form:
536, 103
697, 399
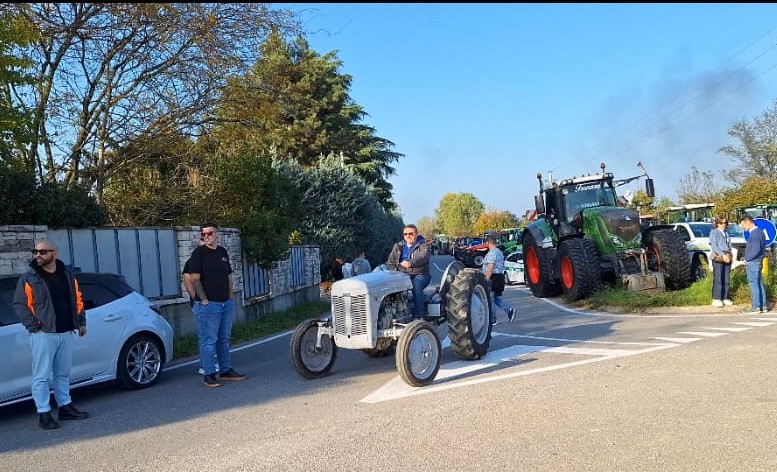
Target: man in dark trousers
211, 276
49, 304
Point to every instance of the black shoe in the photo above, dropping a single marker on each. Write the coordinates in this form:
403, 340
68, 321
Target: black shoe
231, 374
69, 412
46, 421
210, 381
511, 315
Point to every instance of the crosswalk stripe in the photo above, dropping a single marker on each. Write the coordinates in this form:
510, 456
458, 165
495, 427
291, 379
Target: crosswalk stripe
704, 334
733, 330
677, 340
757, 324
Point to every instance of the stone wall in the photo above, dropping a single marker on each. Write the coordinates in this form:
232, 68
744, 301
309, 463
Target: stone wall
18, 240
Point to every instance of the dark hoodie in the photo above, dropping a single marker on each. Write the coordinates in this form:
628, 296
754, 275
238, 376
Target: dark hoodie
419, 257
33, 305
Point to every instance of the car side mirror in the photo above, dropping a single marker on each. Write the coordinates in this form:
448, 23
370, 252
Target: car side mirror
89, 304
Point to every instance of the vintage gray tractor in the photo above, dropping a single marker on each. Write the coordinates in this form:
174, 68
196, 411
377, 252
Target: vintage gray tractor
373, 313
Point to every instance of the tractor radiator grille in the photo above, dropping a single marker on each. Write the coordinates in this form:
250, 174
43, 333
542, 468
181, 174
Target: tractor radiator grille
356, 324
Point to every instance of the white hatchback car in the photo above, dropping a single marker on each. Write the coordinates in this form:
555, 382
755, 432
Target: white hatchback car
127, 340
514, 272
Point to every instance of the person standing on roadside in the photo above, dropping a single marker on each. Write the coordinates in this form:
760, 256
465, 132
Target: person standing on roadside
211, 276
754, 254
411, 256
361, 265
720, 245
189, 286
348, 267
48, 303
494, 270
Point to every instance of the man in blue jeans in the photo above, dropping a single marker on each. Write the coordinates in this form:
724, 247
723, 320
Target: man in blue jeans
211, 276
754, 254
411, 256
48, 303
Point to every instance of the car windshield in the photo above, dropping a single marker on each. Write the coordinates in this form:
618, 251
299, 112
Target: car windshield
735, 231
701, 230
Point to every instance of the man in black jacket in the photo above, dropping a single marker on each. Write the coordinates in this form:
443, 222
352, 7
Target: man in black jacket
48, 303
411, 256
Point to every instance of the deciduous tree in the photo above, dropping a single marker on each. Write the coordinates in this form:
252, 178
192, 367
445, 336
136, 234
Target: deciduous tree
458, 212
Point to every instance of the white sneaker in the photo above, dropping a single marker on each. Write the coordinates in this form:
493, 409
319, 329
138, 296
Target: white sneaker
717, 303
728, 302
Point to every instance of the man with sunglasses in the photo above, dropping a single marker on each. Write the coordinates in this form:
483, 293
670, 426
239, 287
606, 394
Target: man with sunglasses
211, 276
48, 302
411, 256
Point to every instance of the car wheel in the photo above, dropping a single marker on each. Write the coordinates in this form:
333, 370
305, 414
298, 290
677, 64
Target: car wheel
140, 362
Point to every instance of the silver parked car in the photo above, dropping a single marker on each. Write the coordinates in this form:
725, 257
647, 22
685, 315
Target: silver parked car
127, 340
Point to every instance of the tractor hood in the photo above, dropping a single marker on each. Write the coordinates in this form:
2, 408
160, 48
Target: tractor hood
380, 282
612, 228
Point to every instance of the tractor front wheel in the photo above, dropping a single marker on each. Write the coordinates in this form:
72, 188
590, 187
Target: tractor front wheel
579, 268
419, 353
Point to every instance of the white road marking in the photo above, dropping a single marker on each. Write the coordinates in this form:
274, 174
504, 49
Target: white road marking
619, 315
757, 324
704, 334
764, 319
733, 330
445, 380
677, 340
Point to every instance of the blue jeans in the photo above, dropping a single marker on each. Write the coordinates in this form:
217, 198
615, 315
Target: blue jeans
52, 358
721, 281
214, 328
496, 300
755, 280
419, 284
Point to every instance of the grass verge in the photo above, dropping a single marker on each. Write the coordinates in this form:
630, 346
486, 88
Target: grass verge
699, 293
274, 323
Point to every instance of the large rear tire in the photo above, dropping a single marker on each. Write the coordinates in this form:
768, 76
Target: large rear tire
579, 269
310, 361
419, 353
468, 305
537, 264
667, 253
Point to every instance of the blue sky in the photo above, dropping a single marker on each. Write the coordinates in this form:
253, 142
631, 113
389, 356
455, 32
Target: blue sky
480, 98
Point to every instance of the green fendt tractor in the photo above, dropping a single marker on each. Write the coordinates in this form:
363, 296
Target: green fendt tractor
582, 237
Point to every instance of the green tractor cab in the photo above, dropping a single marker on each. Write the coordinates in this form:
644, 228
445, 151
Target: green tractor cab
583, 237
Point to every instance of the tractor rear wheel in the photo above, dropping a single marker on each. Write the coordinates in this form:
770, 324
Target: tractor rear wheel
579, 268
667, 253
537, 265
468, 310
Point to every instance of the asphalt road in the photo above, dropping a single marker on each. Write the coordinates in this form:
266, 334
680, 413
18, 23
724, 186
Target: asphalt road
560, 390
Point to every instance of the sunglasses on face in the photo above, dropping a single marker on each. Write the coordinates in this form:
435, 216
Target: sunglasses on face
42, 252
206, 234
